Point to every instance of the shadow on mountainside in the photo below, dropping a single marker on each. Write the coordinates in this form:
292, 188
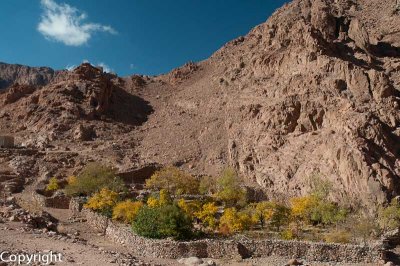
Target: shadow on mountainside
128, 108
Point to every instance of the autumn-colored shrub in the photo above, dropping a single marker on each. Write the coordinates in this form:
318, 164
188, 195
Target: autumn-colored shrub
103, 201
92, 179
207, 215
126, 211
339, 236
230, 190
53, 184
71, 180
235, 221
288, 234
363, 226
161, 222
173, 180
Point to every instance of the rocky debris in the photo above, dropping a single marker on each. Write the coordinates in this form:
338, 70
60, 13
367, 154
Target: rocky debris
180, 74
12, 212
294, 262
195, 261
392, 238
84, 133
16, 92
138, 81
11, 183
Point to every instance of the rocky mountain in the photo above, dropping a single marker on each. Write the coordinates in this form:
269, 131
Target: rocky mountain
33, 76
313, 91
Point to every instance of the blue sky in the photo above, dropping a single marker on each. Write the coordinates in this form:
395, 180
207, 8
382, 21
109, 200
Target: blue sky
128, 36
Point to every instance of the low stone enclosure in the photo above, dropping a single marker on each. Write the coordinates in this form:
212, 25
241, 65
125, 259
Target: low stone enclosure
229, 248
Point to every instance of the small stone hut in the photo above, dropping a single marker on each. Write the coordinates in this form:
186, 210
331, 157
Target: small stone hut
6, 141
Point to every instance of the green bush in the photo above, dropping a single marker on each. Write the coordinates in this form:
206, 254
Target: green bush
92, 179
162, 222
53, 184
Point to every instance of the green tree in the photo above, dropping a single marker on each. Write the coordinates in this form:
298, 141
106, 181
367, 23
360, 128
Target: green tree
208, 185
92, 179
230, 190
162, 222
389, 217
280, 216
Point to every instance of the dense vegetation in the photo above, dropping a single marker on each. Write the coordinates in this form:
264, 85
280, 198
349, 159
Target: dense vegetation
182, 206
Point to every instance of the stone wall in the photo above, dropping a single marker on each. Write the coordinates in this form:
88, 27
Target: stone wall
76, 205
58, 202
219, 248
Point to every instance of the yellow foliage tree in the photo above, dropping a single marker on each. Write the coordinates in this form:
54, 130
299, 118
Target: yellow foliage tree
163, 199
262, 212
153, 202
126, 211
103, 201
174, 180
314, 209
235, 221
302, 207
53, 184
207, 215
189, 207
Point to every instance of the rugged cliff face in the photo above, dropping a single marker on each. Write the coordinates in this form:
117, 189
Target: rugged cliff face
313, 91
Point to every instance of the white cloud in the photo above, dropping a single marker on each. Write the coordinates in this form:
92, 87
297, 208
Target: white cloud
70, 67
105, 67
64, 23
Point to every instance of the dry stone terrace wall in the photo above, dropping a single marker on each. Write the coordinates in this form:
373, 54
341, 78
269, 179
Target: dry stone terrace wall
217, 248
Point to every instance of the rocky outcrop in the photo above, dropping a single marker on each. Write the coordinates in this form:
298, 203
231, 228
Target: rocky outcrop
16, 92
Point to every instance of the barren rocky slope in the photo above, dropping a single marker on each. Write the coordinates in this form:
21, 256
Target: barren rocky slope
313, 91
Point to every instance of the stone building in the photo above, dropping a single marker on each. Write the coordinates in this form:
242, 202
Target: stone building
6, 141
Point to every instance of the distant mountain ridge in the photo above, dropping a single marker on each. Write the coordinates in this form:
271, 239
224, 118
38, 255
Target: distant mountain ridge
14, 73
